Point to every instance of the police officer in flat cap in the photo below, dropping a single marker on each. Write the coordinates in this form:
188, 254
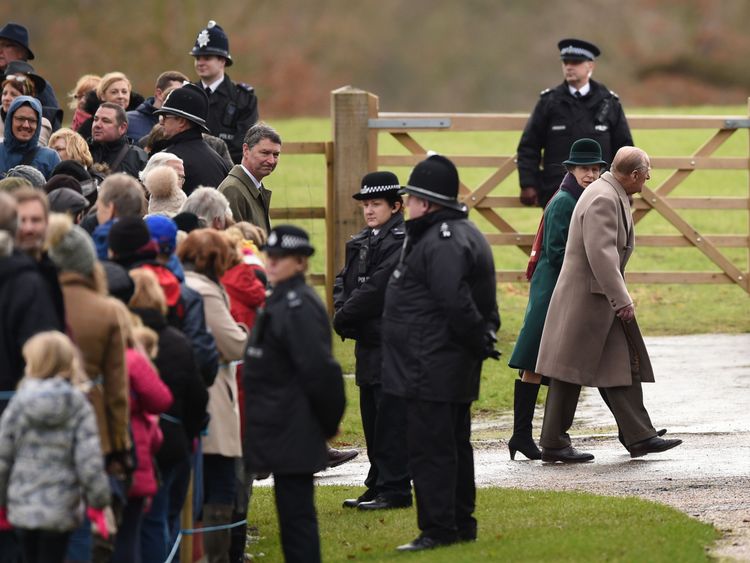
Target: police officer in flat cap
358, 297
233, 107
577, 108
439, 325
295, 391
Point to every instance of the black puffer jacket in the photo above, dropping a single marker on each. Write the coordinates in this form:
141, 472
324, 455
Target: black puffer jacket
359, 293
26, 308
132, 163
440, 303
178, 370
203, 165
294, 392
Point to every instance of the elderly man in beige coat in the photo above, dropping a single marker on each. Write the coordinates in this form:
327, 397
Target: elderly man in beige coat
591, 336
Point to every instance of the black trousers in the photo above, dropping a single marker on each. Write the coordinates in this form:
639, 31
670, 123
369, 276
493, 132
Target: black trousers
441, 461
295, 505
384, 424
42, 546
626, 404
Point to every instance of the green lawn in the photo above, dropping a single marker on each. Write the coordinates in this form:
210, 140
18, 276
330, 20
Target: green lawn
662, 309
514, 525
524, 525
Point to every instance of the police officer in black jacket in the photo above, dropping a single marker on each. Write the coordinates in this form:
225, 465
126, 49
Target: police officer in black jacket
439, 325
577, 108
233, 107
358, 295
294, 391
183, 116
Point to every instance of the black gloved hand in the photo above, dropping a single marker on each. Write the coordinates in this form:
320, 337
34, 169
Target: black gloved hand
488, 350
342, 329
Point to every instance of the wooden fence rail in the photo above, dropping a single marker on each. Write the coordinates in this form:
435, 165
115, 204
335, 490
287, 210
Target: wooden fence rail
357, 124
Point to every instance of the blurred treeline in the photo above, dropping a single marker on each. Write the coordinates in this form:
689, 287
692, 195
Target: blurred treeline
417, 55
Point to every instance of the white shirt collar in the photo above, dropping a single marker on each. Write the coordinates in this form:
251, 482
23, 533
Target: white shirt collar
256, 182
585, 89
214, 85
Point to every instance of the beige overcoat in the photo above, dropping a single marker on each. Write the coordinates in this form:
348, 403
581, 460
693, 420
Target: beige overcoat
583, 341
223, 436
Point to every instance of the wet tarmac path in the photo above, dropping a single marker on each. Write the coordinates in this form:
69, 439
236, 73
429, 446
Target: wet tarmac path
701, 394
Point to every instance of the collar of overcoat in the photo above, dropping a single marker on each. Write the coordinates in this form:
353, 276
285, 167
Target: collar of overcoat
624, 201
239, 173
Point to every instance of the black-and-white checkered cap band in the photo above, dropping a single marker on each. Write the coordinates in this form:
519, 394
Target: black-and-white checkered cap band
570, 50
366, 190
291, 242
286, 242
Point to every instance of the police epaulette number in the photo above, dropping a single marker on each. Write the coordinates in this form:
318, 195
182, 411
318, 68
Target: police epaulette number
545, 91
398, 232
445, 231
293, 299
245, 87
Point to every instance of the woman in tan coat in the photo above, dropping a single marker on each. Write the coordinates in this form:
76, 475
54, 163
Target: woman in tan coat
95, 329
205, 255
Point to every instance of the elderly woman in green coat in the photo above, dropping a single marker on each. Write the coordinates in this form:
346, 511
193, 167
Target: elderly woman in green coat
584, 166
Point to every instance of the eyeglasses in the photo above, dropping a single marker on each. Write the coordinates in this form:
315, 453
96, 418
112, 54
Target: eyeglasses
21, 120
181, 179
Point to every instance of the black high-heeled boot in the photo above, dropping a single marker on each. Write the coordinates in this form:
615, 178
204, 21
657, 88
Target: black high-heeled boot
524, 401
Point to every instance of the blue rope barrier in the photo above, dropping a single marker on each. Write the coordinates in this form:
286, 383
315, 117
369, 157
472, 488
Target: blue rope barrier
194, 531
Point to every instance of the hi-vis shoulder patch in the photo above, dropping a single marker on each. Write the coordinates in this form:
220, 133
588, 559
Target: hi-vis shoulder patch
293, 299
445, 231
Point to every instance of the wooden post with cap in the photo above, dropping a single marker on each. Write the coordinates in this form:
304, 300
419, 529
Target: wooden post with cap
355, 154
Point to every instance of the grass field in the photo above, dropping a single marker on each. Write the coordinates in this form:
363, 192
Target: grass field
514, 525
662, 309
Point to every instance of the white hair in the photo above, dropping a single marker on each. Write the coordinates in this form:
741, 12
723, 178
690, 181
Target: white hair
158, 159
208, 204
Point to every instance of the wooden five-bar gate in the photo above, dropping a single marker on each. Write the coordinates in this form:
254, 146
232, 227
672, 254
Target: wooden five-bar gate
357, 128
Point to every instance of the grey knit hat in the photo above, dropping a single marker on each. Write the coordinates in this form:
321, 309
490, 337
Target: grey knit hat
73, 251
28, 173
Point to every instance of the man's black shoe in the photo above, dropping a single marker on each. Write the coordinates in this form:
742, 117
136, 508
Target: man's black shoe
652, 446
566, 455
422, 543
339, 457
382, 502
367, 496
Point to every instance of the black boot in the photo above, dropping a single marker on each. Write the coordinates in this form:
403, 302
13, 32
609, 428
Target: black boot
524, 401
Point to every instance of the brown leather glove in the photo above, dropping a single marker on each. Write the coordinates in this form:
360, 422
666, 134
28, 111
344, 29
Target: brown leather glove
528, 196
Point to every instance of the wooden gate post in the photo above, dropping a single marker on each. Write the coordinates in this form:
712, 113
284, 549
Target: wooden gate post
355, 154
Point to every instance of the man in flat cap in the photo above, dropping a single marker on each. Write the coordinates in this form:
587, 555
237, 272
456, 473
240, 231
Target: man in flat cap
577, 108
233, 107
